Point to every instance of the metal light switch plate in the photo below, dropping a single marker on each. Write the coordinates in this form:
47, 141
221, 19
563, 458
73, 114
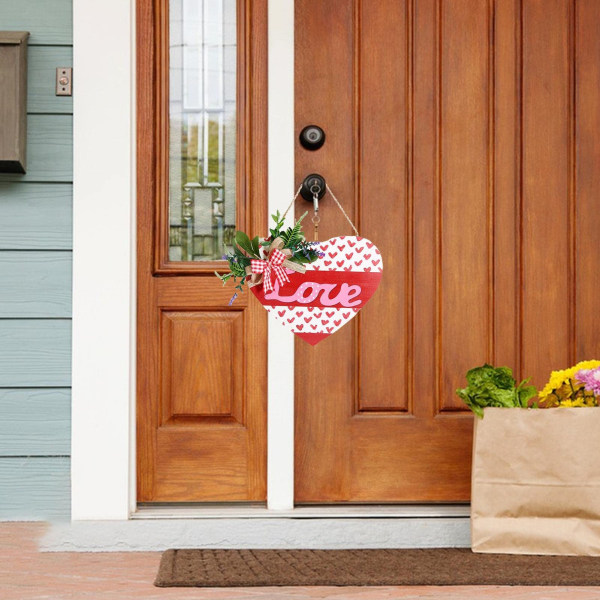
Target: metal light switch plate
64, 81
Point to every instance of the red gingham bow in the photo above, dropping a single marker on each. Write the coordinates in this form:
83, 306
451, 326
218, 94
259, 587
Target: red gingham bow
271, 265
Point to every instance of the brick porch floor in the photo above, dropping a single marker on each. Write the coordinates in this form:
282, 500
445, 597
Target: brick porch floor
26, 574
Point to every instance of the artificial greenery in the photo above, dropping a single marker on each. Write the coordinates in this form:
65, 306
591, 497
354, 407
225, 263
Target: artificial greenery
245, 249
494, 386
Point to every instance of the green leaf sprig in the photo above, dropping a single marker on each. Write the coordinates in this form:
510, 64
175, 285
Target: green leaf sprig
245, 249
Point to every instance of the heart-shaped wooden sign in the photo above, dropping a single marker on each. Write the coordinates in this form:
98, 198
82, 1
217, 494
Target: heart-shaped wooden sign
334, 288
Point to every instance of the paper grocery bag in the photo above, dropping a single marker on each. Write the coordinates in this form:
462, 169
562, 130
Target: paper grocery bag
536, 481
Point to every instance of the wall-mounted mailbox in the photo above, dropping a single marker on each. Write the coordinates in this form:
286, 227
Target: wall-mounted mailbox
13, 100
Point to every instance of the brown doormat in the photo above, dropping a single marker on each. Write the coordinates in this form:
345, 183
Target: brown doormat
435, 566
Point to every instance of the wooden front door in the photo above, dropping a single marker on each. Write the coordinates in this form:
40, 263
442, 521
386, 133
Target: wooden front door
201, 152
463, 139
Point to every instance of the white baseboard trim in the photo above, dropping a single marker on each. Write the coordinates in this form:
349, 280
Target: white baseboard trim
319, 533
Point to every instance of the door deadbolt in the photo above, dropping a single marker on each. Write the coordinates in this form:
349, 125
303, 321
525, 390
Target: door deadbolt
312, 137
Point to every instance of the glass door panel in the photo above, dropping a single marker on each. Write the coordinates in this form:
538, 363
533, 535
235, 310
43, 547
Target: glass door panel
202, 128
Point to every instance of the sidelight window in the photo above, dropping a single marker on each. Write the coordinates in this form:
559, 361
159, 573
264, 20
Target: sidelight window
202, 128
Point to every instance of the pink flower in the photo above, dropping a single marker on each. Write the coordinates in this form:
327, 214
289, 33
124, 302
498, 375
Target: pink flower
590, 379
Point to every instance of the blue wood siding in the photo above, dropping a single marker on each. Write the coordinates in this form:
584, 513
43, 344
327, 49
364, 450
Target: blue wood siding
41, 80
49, 150
36, 216
35, 422
35, 284
35, 279
35, 488
35, 352
50, 22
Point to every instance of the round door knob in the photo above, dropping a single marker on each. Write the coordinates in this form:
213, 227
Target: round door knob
313, 185
312, 137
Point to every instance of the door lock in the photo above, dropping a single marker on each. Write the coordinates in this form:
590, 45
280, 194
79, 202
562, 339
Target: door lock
312, 137
313, 185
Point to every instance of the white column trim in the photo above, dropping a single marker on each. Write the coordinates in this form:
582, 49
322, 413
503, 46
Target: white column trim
102, 472
280, 437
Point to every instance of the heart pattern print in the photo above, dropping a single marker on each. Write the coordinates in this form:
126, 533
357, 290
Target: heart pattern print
334, 288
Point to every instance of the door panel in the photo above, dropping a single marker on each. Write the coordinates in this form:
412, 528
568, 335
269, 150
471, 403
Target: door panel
587, 176
201, 418
464, 229
460, 138
547, 228
381, 51
214, 392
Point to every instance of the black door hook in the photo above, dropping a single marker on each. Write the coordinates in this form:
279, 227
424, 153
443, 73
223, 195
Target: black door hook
313, 185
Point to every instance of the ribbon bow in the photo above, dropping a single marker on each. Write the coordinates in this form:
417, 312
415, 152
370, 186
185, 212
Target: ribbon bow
271, 266
276, 263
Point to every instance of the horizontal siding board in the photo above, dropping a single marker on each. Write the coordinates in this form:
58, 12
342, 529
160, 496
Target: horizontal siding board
35, 488
36, 216
35, 353
41, 79
35, 422
49, 149
35, 284
48, 21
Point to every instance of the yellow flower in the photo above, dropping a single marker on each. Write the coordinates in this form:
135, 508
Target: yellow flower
562, 387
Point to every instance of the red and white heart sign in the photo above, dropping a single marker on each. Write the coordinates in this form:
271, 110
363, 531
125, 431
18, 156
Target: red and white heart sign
334, 288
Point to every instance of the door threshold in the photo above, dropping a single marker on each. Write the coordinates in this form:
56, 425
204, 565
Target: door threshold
260, 511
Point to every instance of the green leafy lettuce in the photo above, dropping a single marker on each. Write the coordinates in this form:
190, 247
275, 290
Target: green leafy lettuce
494, 386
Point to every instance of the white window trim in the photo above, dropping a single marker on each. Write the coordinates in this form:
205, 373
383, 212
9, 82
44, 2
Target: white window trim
104, 259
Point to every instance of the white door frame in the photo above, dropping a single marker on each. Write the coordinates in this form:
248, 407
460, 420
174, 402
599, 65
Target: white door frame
280, 396
104, 259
